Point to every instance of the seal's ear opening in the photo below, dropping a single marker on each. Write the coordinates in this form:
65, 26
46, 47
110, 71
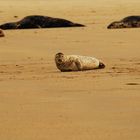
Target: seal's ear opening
101, 65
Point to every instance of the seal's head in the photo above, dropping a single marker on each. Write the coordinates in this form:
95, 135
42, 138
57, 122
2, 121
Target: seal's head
59, 58
116, 24
8, 26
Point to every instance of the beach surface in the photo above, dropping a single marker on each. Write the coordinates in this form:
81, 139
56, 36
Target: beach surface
38, 102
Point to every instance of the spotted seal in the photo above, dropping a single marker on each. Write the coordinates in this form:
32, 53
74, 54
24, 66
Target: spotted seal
38, 21
1, 33
127, 22
77, 63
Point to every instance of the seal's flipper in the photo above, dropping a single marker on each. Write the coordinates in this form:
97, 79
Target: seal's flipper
78, 64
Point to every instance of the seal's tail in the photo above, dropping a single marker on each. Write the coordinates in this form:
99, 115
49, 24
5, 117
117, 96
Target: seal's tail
101, 65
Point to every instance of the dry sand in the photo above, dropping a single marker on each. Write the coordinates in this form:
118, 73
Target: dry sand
37, 102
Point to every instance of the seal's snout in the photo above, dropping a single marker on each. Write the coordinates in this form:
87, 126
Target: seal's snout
59, 60
108, 27
101, 65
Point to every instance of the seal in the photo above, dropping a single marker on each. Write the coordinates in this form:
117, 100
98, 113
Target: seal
127, 22
38, 21
67, 63
1, 33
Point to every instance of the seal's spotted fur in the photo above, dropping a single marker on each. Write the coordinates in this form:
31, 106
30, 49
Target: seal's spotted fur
76, 62
127, 22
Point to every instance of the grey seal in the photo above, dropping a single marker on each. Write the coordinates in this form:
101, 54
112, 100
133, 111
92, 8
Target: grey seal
39, 21
67, 63
127, 22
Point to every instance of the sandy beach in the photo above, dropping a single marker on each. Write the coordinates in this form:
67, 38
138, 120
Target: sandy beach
38, 102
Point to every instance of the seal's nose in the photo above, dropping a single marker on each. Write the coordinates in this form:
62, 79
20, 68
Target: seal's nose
59, 60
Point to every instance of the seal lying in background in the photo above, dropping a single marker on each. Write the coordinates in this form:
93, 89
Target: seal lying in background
37, 21
127, 22
1, 33
77, 63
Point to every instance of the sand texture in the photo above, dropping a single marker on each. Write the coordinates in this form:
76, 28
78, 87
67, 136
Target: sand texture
38, 102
